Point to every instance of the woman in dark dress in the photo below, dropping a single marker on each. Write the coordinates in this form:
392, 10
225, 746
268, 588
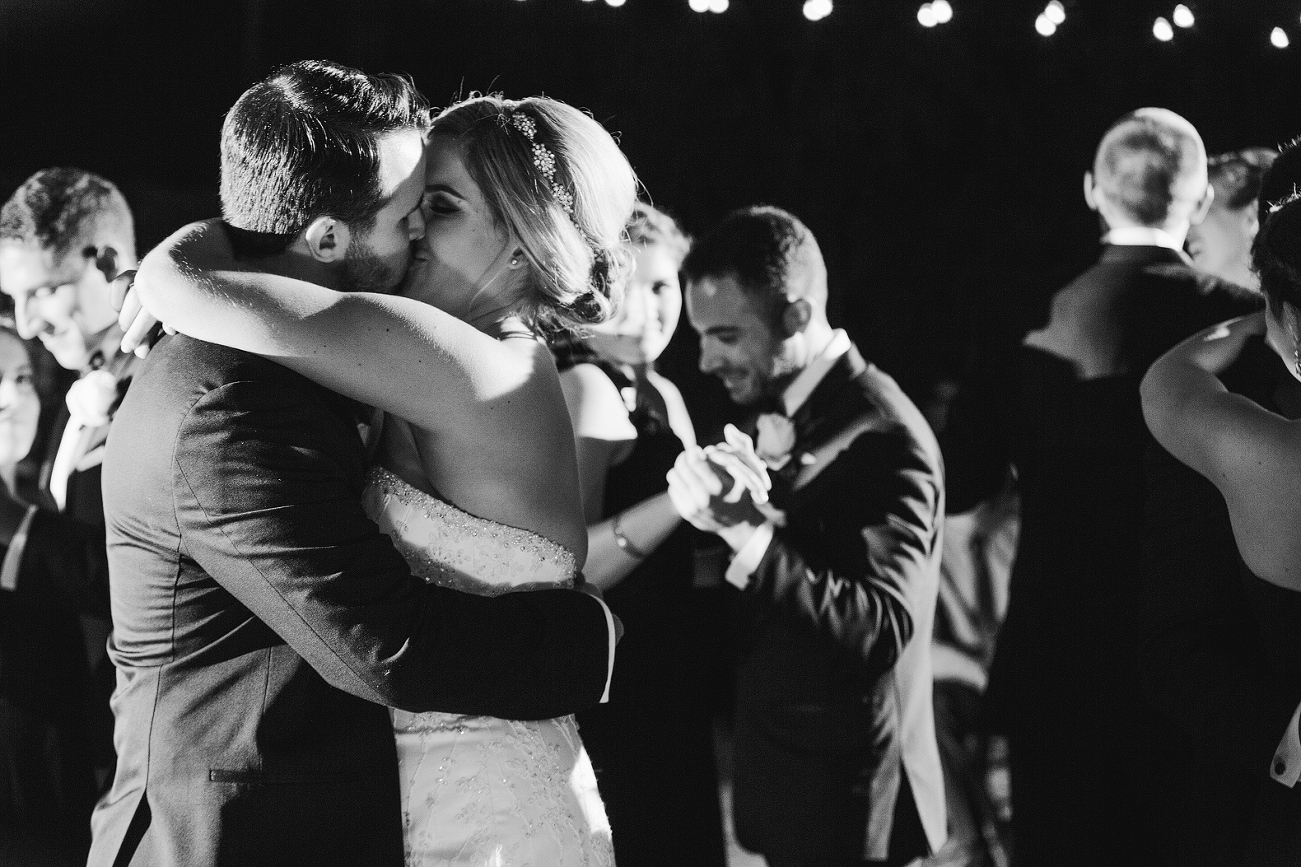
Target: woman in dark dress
1251, 451
52, 569
651, 743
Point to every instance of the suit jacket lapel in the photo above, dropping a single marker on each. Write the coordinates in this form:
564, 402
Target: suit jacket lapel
829, 409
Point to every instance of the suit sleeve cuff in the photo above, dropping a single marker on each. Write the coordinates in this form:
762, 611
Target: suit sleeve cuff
613, 638
747, 559
1286, 767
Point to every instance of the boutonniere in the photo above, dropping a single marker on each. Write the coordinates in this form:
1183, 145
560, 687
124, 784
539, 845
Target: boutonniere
776, 438
91, 398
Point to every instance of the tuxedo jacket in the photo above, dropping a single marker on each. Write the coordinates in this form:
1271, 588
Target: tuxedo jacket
84, 500
1091, 761
262, 624
834, 689
62, 574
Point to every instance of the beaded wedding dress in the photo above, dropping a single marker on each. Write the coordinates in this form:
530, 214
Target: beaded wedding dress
479, 790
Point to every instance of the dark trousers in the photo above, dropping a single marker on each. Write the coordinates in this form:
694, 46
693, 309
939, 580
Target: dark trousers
47, 785
907, 841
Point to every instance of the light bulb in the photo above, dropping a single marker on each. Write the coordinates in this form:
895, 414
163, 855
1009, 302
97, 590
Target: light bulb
816, 10
926, 16
698, 5
943, 11
1278, 38
1162, 30
719, 6
1183, 16
1055, 12
1045, 26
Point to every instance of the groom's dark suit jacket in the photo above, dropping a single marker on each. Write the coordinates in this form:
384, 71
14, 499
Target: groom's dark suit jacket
262, 623
834, 716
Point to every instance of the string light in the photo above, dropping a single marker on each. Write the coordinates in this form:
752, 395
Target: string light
1044, 25
1161, 29
1183, 16
926, 16
943, 11
698, 5
816, 10
1278, 38
1055, 12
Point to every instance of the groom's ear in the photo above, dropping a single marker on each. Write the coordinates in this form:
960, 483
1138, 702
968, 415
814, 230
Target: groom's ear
327, 238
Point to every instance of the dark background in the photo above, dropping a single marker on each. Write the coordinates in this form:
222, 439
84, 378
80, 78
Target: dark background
940, 169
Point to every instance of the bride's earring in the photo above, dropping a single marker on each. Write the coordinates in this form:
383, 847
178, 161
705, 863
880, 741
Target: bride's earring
515, 260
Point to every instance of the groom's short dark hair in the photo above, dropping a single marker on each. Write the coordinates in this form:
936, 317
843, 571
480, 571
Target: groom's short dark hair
303, 142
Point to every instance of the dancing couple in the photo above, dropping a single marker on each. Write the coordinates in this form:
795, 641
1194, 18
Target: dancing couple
324, 652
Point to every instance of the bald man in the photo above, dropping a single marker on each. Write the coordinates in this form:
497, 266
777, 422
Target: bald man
1090, 759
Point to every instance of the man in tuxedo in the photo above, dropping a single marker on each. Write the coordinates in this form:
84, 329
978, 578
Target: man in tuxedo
65, 234
836, 759
1092, 763
262, 622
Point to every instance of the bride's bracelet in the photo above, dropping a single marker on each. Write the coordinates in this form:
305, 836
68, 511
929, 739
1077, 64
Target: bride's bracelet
625, 544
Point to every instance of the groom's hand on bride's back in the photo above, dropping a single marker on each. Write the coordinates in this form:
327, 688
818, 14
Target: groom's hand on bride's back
582, 585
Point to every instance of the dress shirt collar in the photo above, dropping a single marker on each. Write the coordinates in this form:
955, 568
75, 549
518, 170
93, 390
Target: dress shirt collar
107, 343
803, 385
1141, 236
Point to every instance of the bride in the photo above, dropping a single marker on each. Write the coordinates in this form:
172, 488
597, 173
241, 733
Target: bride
525, 205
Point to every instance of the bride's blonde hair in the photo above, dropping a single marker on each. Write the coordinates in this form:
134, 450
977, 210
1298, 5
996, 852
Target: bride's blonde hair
555, 179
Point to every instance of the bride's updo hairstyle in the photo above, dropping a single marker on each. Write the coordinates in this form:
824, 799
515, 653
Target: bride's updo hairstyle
1276, 257
555, 179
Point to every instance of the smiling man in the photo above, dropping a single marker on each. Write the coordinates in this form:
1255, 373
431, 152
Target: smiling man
64, 235
836, 761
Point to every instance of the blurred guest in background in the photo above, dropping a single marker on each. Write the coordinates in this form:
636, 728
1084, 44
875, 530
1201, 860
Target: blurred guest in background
1089, 761
651, 744
1221, 243
65, 234
835, 755
1246, 441
51, 569
1203, 656
975, 570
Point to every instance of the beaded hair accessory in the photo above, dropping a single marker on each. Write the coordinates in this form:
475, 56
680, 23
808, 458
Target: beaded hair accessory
543, 159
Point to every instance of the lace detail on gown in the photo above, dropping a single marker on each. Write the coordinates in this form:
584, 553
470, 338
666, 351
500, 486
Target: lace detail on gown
481, 790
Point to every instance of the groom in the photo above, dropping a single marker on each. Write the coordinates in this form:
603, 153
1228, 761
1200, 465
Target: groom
262, 622
836, 760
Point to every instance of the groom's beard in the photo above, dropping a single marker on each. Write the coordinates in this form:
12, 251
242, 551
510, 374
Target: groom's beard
363, 271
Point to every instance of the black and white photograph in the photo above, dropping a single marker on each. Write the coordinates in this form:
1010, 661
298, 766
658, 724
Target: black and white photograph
654, 433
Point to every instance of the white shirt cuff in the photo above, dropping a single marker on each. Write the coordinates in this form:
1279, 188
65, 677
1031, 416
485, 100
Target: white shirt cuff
747, 559
609, 666
1286, 767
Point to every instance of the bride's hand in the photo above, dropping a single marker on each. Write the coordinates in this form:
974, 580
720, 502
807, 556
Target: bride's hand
137, 323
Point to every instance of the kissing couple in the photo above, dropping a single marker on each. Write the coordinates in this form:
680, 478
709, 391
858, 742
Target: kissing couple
322, 655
